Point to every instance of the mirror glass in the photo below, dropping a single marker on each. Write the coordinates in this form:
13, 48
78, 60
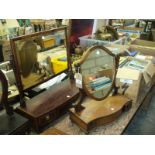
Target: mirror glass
98, 71
40, 57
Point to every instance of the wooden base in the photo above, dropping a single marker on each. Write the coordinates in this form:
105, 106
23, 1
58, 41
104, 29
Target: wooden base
53, 131
98, 113
49, 105
13, 125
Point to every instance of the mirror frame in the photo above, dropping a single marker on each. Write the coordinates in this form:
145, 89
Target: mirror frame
84, 57
15, 63
4, 99
4, 88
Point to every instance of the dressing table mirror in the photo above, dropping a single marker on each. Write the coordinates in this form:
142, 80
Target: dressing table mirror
98, 102
98, 68
11, 123
38, 58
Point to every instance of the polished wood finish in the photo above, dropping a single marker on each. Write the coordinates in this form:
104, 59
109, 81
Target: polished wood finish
50, 105
53, 131
97, 113
92, 113
15, 62
78, 106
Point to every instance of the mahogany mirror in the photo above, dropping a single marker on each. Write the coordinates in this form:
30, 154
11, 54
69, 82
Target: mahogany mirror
96, 73
98, 69
39, 57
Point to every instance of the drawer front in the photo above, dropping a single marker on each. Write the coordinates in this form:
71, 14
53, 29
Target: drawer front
47, 118
42, 121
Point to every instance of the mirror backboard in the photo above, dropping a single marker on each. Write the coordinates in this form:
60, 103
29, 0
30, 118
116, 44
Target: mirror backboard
98, 69
41, 56
1, 91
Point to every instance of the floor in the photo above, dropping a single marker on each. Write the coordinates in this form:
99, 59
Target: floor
143, 123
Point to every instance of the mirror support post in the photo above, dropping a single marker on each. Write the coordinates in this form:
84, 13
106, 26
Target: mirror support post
22, 102
78, 107
70, 71
117, 58
71, 74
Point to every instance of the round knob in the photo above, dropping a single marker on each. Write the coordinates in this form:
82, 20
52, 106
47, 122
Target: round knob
47, 117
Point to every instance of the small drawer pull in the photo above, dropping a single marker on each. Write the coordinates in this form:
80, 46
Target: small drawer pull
47, 117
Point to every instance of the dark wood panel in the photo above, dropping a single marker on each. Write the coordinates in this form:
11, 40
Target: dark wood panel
50, 105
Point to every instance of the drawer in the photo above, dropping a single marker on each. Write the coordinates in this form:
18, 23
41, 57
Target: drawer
45, 119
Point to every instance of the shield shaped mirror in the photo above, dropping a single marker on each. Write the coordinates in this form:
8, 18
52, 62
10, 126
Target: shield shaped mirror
98, 69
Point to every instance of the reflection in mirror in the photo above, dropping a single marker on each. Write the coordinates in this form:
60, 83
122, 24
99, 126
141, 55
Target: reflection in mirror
41, 57
98, 71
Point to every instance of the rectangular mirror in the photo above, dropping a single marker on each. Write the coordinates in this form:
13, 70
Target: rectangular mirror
40, 56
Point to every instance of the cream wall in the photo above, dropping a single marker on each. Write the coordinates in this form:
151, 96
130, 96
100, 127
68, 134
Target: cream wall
9, 24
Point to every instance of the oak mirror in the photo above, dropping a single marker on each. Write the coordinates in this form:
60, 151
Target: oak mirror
40, 56
98, 69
